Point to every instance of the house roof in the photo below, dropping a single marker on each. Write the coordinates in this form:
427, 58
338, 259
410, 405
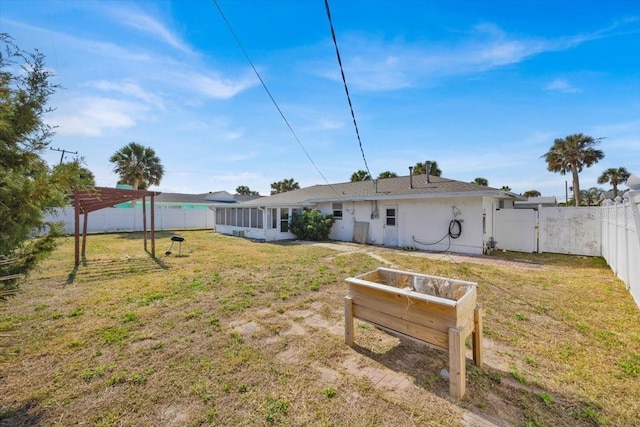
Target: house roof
204, 198
404, 187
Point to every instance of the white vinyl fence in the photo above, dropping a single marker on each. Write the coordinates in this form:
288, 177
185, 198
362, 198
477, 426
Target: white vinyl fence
111, 220
567, 230
621, 240
560, 230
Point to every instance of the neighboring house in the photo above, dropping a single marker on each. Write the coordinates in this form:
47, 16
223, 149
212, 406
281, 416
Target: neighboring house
535, 202
408, 212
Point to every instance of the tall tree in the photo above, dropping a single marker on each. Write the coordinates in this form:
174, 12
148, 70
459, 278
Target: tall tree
615, 176
138, 166
387, 174
72, 176
243, 190
481, 181
360, 175
532, 193
284, 186
29, 189
572, 154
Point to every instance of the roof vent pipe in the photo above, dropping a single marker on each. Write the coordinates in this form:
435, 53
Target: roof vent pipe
410, 176
427, 166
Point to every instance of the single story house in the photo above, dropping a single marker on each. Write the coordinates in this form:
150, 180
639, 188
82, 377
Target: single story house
415, 211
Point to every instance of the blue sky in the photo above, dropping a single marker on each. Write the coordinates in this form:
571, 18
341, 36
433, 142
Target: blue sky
481, 87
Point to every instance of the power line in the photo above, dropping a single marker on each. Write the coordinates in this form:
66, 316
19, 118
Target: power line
264, 85
346, 88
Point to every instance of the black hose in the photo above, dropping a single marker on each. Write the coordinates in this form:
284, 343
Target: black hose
452, 226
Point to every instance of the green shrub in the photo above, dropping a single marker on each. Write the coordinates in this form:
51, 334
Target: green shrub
312, 225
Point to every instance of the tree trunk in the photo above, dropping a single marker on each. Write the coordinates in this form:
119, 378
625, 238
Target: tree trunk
576, 186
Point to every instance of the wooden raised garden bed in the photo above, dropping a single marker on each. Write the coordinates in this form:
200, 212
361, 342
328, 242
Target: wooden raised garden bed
438, 311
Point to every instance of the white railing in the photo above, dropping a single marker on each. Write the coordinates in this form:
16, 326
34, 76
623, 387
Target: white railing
110, 220
621, 240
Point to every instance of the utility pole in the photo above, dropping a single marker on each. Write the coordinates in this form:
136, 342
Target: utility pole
63, 151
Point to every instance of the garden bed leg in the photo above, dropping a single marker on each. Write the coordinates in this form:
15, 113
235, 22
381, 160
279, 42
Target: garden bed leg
457, 371
348, 321
477, 336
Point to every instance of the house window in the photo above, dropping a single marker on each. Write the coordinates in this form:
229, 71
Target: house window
254, 218
337, 210
284, 220
390, 218
272, 218
260, 219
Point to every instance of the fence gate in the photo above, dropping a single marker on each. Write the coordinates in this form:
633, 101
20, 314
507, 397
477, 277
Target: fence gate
517, 229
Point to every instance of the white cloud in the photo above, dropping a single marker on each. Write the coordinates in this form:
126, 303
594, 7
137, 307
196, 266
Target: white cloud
238, 157
145, 23
213, 86
561, 85
92, 116
129, 89
379, 65
329, 124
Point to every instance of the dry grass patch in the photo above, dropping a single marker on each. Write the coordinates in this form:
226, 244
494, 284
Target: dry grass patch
241, 333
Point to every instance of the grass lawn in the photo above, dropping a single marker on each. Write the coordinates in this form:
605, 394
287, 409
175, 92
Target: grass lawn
235, 332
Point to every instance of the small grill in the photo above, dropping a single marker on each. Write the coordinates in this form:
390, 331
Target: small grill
174, 239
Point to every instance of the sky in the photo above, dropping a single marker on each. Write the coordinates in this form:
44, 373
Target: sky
481, 87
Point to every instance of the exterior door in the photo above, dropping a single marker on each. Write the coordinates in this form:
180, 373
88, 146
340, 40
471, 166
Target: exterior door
390, 226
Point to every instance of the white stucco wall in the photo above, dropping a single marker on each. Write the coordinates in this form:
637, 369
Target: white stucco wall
426, 221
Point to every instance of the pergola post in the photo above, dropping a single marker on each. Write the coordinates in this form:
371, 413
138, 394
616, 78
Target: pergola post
84, 234
76, 214
153, 226
144, 221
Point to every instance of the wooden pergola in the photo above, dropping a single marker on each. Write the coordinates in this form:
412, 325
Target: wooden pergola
105, 197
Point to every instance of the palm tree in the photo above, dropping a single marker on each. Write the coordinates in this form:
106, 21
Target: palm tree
421, 169
590, 197
137, 166
615, 176
481, 181
532, 193
571, 154
360, 175
284, 186
387, 174
435, 170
